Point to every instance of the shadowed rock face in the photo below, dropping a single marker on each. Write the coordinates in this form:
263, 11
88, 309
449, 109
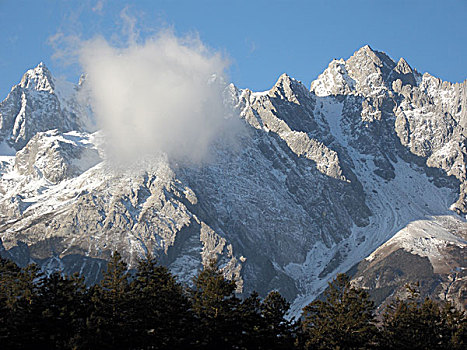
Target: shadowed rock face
316, 182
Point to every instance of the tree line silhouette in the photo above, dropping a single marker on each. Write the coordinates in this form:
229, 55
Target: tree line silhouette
149, 309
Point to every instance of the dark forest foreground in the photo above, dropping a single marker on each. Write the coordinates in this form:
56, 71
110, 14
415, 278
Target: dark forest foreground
149, 309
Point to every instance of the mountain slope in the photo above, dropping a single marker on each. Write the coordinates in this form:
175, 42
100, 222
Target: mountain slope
429, 252
317, 182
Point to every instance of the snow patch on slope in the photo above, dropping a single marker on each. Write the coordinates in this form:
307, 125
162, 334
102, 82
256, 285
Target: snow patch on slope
395, 204
334, 80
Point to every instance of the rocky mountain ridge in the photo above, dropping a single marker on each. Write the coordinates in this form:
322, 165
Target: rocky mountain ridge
320, 179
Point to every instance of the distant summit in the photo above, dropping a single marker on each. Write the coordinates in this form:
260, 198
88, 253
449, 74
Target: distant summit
367, 72
40, 103
39, 79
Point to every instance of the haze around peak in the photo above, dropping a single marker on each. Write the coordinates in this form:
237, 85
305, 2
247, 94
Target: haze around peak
160, 95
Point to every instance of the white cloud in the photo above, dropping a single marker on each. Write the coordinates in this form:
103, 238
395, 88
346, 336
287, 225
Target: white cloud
157, 96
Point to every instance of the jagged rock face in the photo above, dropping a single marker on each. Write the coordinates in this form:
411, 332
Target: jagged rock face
56, 157
318, 181
428, 116
40, 103
431, 121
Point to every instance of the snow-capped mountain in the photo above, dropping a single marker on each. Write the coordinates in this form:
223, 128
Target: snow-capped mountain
41, 103
320, 180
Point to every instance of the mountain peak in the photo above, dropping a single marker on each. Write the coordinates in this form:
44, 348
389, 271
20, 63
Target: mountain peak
361, 73
374, 55
405, 73
38, 78
288, 87
367, 48
367, 56
403, 67
286, 81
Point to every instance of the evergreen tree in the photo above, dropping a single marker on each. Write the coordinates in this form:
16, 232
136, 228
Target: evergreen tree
413, 324
278, 330
250, 323
9, 275
216, 308
19, 290
457, 323
60, 311
10, 296
108, 326
161, 314
344, 320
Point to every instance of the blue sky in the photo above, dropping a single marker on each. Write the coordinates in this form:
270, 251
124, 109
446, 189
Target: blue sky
262, 39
